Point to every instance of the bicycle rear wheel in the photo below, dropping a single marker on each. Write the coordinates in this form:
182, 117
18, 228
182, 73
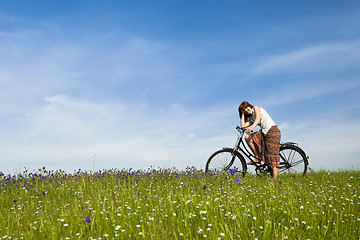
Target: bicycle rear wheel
292, 159
226, 160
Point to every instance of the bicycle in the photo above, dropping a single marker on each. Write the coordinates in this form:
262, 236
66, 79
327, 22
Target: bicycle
292, 159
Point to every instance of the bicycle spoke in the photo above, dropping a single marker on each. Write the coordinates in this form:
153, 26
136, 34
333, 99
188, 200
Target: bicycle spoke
297, 163
220, 162
225, 160
291, 160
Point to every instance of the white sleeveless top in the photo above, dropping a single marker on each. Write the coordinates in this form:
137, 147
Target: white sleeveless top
265, 120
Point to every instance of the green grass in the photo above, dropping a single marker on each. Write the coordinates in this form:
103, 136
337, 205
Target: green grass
173, 204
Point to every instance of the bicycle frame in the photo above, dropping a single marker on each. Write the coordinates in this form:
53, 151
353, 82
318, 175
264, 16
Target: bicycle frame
240, 145
290, 156
241, 148
261, 168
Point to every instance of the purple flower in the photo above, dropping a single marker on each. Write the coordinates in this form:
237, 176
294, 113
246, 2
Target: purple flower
87, 219
354, 190
232, 171
237, 180
16, 200
204, 187
278, 181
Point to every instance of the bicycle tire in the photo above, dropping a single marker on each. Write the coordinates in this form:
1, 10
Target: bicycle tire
225, 160
292, 159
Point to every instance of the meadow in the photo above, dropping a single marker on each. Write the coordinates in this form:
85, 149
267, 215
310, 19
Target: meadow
178, 204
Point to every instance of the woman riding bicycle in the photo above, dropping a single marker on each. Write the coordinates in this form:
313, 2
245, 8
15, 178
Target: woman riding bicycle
265, 144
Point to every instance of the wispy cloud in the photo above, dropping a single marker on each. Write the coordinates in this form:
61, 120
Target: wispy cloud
330, 146
317, 57
65, 132
318, 88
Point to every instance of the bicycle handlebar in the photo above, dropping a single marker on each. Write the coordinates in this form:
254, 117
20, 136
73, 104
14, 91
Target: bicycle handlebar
240, 129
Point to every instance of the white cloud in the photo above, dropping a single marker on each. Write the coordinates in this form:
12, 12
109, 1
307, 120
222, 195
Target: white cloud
325, 56
335, 148
65, 132
67, 118
331, 141
300, 91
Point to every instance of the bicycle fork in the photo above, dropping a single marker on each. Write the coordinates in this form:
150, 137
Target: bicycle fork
232, 160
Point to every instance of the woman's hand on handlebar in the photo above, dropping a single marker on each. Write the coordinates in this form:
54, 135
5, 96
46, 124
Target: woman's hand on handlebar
240, 129
248, 131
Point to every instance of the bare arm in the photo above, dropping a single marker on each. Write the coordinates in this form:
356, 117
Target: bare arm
257, 120
242, 121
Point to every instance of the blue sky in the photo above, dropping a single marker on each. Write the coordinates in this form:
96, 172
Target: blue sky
113, 84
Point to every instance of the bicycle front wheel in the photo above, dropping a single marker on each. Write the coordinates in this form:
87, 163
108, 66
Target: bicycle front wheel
292, 159
226, 160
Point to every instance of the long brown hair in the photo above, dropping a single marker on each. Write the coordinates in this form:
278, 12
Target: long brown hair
242, 106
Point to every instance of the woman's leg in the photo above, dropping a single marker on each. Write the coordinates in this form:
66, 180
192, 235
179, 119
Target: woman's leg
251, 143
275, 172
273, 138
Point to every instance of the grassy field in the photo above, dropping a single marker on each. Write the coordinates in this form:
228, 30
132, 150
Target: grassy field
173, 204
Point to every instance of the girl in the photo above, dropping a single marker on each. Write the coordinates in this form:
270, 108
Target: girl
265, 144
